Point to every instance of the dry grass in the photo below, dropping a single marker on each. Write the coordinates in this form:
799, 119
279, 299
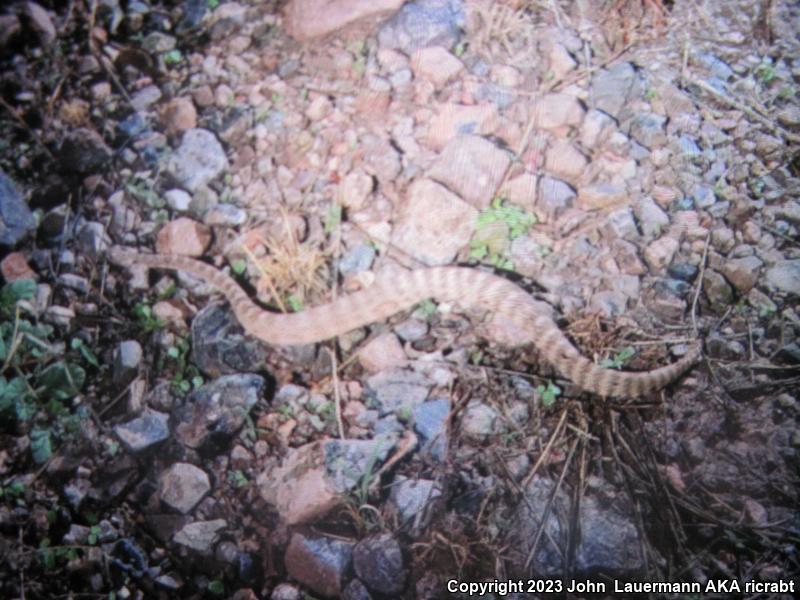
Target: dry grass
503, 32
292, 272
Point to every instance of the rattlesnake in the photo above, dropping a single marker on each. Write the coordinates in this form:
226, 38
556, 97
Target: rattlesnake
532, 319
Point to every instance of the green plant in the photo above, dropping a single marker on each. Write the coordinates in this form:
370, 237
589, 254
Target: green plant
428, 308
173, 57
39, 373
486, 244
619, 359
143, 313
187, 376
549, 393
294, 303
216, 587
238, 479
333, 218
765, 72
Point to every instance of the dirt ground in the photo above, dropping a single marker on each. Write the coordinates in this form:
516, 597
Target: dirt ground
634, 163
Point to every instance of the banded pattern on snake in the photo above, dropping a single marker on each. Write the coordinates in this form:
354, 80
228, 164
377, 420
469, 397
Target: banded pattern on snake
468, 287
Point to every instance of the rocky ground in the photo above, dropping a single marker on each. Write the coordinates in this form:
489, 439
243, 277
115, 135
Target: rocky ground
634, 163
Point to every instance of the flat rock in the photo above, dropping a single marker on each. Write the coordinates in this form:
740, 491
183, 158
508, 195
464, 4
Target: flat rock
308, 19
743, 273
200, 536
84, 151
660, 253
565, 161
319, 562
182, 486
16, 219
378, 562
784, 276
555, 111
423, 23
435, 64
382, 352
600, 195
452, 120
143, 432
612, 88
183, 236
429, 209
472, 167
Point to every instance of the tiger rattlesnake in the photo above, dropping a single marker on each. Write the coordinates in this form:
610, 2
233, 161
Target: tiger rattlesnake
469, 287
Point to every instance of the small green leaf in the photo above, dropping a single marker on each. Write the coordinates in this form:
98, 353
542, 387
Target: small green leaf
62, 381
41, 445
239, 266
173, 57
295, 304
173, 352
216, 587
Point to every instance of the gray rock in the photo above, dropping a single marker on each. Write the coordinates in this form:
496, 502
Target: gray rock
612, 88
717, 290
411, 330
141, 433
287, 591
215, 412
198, 160
178, 200
200, 536
415, 500
683, 271
357, 259
718, 68
319, 562
784, 276
225, 214
93, 239
16, 219
356, 590
649, 129
652, 219
182, 486
555, 197
145, 98
127, 359
398, 390
219, 345
480, 420
423, 23
378, 562
620, 224
704, 196
688, 147
84, 151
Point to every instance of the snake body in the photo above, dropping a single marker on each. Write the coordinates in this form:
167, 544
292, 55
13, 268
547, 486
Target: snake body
469, 287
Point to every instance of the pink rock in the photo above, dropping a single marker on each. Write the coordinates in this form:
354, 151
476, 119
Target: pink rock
308, 19
183, 236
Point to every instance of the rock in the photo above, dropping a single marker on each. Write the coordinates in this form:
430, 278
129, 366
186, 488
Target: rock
718, 68
560, 61
198, 160
565, 161
415, 500
521, 190
308, 19
145, 98
554, 111
319, 562
480, 420
431, 420
452, 120
784, 276
612, 88
127, 359
554, 199
219, 345
688, 147
742, 272
667, 304
649, 130
717, 290
286, 591
40, 22
398, 390
354, 190
411, 330
182, 486
683, 271
600, 195
620, 224
158, 42
226, 215
183, 236
16, 219
143, 432
214, 413
74, 282
15, 267
382, 352
704, 196
608, 539
421, 24
652, 219
357, 259
179, 115
472, 167
315, 478
178, 200
378, 562
200, 536
435, 64
789, 211
660, 253
83, 151
429, 209
789, 116
356, 590
596, 129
